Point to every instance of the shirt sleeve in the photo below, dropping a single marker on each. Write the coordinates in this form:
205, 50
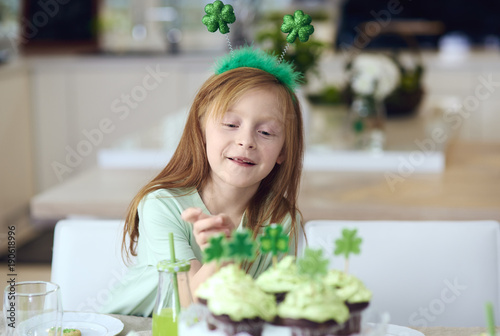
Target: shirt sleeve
158, 216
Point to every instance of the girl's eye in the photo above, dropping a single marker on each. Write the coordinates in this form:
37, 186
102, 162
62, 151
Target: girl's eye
229, 125
265, 133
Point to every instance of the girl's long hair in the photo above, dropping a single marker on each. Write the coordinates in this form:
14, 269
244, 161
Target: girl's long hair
277, 194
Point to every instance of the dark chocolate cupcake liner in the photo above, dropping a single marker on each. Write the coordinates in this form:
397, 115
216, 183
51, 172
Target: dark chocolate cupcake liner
303, 327
229, 327
353, 324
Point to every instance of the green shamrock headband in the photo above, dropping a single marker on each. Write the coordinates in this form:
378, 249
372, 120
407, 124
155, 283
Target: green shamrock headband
218, 16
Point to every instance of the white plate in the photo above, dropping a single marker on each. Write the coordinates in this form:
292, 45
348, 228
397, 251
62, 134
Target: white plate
394, 330
92, 324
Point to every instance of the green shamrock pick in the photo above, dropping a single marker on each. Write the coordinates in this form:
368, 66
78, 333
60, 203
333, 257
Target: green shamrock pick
241, 246
312, 264
274, 241
349, 243
218, 16
297, 25
216, 249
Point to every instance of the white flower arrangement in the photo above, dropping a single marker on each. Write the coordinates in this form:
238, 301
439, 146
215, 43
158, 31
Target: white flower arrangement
375, 75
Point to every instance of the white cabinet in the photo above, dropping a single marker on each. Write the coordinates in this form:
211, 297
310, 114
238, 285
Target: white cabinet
16, 152
84, 104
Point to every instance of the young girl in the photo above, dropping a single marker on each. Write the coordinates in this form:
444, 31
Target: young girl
238, 165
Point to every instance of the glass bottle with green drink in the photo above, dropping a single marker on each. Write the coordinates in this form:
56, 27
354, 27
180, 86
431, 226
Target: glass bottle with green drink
172, 275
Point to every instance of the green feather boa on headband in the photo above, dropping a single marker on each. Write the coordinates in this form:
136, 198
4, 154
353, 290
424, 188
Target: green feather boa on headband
259, 59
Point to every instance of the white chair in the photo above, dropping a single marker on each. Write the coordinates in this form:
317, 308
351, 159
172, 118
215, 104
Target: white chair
424, 273
87, 262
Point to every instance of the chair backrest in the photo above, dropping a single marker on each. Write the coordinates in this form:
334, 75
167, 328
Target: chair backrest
87, 262
424, 273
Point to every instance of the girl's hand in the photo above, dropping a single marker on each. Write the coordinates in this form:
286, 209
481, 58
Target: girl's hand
205, 226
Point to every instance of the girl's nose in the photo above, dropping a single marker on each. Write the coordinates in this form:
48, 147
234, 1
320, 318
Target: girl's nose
246, 140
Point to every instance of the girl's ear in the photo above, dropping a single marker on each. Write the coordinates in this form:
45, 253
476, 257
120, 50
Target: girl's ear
281, 157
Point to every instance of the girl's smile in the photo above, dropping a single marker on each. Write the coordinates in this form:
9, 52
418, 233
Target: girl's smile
246, 143
242, 161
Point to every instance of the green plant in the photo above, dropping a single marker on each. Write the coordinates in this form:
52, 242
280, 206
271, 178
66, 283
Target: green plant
408, 94
329, 95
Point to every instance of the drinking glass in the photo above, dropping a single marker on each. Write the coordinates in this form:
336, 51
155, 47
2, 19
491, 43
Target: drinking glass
32, 308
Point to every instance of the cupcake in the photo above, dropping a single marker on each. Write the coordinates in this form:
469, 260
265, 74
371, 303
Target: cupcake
313, 309
240, 306
281, 279
354, 294
227, 274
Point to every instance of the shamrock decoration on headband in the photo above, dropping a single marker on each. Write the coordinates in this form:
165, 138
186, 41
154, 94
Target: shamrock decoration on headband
218, 16
274, 241
298, 25
349, 243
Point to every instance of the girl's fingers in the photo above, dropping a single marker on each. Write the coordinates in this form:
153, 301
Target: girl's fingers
229, 223
193, 214
208, 224
203, 238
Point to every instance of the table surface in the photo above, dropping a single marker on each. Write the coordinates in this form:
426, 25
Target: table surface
466, 190
142, 325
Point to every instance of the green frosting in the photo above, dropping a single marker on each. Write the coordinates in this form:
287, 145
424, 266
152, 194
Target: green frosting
349, 288
280, 279
243, 301
227, 274
233, 292
314, 301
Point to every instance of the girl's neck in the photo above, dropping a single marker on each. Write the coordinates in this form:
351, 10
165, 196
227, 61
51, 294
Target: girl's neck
230, 201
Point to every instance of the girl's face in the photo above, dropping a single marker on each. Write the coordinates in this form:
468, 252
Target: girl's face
244, 146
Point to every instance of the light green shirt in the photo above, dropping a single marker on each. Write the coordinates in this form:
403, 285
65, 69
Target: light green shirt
160, 213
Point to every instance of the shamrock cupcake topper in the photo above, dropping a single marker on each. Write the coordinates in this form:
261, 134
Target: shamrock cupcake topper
241, 247
349, 243
274, 241
216, 249
312, 264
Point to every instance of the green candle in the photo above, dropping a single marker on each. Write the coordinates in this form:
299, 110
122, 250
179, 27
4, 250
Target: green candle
174, 275
490, 318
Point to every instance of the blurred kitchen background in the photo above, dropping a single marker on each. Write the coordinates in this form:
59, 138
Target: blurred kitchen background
107, 83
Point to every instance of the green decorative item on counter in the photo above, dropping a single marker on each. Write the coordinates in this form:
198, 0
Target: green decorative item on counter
274, 241
218, 16
312, 264
349, 243
241, 247
298, 25
490, 319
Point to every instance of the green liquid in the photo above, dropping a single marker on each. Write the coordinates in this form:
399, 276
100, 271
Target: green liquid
165, 324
